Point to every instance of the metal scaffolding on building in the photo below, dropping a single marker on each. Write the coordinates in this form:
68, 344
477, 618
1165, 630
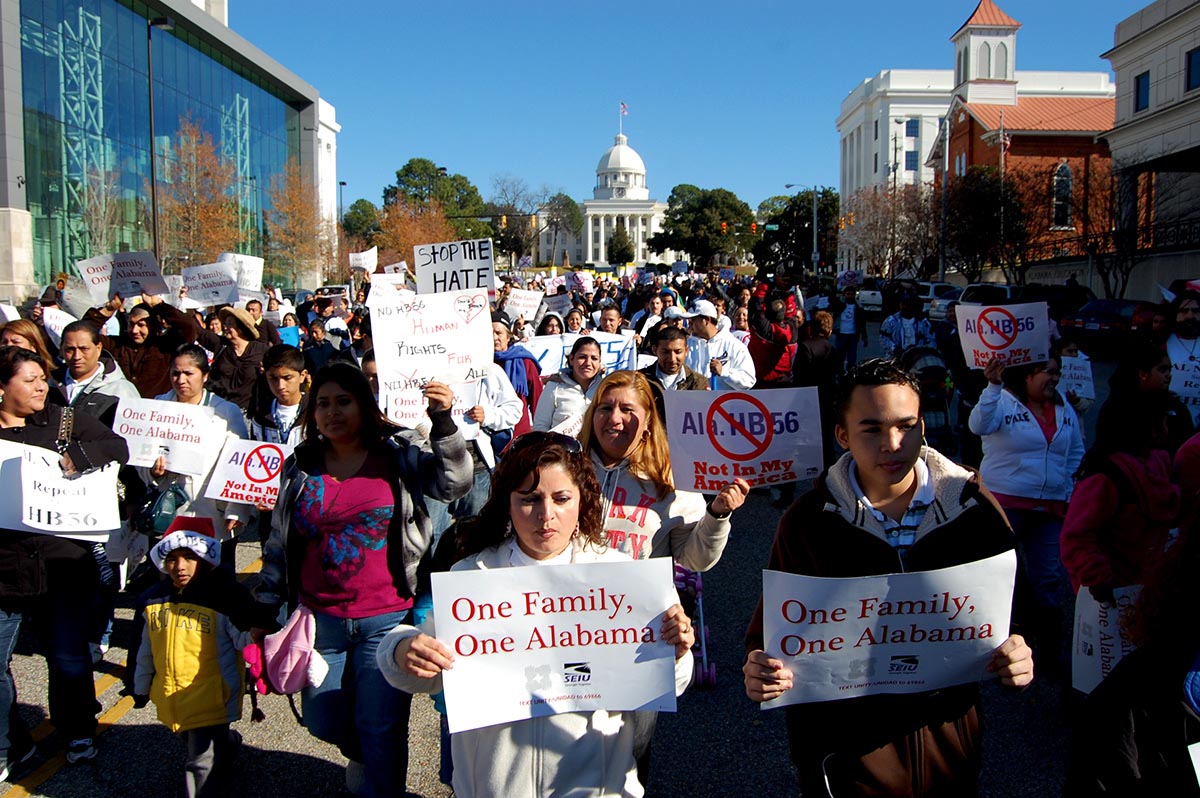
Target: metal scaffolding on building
235, 146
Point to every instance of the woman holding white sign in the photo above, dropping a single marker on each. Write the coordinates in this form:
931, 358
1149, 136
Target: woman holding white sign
189, 378
545, 510
349, 533
52, 579
1032, 447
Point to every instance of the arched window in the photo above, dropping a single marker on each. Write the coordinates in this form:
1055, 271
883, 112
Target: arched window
985, 60
1063, 191
1002, 61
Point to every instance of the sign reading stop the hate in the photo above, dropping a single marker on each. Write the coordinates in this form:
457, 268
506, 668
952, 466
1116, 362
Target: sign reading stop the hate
248, 472
1015, 334
766, 437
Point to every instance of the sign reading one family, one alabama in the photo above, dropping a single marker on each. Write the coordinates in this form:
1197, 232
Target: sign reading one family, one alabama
530, 642
1013, 333
214, 284
36, 497
247, 472
550, 351
522, 304
185, 436
1101, 638
764, 437
455, 266
897, 633
124, 274
1077, 377
422, 337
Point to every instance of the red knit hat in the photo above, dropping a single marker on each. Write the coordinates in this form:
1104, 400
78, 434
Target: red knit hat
188, 532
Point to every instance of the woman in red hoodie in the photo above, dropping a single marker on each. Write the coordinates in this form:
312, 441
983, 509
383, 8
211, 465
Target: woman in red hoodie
1125, 503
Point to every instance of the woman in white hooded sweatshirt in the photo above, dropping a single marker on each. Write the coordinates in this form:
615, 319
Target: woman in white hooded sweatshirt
544, 511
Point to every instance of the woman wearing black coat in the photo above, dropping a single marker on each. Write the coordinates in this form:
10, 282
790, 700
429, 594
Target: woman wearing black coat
53, 581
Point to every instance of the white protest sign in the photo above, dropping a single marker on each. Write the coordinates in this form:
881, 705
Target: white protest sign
1077, 377
1100, 639
580, 281
389, 289
422, 337
53, 321
1015, 334
455, 266
213, 284
530, 642
127, 274
895, 633
553, 284
185, 436
570, 427
396, 268
364, 261
557, 303
249, 270
1185, 373
247, 472
679, 267
10, 313
522, 304
765, 437
550, 351
36, 497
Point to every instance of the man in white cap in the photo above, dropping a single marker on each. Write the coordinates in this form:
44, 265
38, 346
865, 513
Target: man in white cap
715, 353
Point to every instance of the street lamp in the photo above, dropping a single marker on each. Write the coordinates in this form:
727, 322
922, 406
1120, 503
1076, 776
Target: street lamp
162, 23
341, 214
816, 256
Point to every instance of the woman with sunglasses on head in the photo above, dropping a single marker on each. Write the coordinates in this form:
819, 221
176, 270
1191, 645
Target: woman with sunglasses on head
545, 510
348, 535
1032, 447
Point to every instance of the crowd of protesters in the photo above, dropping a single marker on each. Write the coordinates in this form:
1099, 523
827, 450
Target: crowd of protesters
928, 464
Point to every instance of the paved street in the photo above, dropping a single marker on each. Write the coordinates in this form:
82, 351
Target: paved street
718, 744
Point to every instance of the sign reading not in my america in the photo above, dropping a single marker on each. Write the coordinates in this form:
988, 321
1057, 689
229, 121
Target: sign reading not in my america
1013, 333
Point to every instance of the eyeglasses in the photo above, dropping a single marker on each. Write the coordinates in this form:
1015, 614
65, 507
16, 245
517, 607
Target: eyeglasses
545, 438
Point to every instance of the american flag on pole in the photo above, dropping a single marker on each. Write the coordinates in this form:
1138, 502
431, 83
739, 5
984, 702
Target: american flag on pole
624, 109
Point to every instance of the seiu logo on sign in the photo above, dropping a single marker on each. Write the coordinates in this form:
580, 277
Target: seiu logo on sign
904, 663
577, 672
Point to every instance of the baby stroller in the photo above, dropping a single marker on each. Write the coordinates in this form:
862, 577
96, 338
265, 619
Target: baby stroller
690, 585
932, 373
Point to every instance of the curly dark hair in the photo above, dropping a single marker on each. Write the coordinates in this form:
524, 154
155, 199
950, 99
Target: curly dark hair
870, 373
527, 455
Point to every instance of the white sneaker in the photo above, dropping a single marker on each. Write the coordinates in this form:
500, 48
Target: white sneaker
356, 777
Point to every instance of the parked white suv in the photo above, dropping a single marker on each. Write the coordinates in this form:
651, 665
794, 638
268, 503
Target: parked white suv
870, 297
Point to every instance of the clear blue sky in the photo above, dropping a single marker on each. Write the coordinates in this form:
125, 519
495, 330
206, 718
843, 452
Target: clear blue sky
742, 96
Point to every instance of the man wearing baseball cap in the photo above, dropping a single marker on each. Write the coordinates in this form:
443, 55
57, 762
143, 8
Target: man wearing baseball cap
715, 353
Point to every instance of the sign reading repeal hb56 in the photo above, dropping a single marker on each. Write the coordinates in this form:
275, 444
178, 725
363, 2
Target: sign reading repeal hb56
1013, 333
248, 472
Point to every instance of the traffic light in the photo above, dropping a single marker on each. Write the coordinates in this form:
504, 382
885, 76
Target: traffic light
503, 222
724, 228
841, 222
754, 228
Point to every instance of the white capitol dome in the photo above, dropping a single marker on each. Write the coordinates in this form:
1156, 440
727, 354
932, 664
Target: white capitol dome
621, 174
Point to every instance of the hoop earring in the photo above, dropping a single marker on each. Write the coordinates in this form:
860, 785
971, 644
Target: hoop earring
508, 529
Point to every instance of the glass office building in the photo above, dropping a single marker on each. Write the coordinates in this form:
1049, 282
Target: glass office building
88, 136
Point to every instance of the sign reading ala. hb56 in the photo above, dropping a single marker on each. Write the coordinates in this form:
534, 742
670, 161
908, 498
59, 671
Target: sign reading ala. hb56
1013, 333
248, 472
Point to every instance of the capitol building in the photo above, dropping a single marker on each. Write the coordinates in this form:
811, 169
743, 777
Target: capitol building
620, 197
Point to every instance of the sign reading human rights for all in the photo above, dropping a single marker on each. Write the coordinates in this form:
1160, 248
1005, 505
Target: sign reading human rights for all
896, 633
765, 437
455, 266
1015, 334
124, 274
530, 642
551, 351
422, 337
185, 436
247, 472
214, 284
36, 497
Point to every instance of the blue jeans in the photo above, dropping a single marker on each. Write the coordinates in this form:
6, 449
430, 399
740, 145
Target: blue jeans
1037, 535
10, 723
847, 345
441, 514
64, 626
355, 708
